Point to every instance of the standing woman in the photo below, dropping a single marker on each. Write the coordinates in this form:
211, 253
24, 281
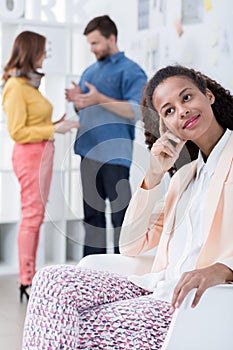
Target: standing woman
29, 121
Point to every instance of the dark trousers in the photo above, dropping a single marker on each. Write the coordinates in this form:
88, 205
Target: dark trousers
99, 182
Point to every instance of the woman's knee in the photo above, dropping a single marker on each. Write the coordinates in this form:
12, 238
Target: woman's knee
55, 277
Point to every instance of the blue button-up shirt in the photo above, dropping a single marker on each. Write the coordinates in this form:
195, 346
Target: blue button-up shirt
103, 135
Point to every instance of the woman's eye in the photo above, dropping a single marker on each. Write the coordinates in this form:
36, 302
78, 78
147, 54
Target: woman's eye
187, 97
169, 111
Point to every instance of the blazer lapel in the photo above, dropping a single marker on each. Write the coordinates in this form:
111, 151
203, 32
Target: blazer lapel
216, 184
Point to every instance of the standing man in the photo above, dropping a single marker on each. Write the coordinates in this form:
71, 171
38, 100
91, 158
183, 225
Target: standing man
107, 99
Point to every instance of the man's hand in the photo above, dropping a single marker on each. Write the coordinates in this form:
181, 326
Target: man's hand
200, 279
89, 99
73, 93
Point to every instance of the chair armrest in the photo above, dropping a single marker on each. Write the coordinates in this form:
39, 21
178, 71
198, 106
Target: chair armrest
118, 263
207, 326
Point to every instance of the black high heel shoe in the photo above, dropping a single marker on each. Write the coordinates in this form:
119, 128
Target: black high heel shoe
23, 289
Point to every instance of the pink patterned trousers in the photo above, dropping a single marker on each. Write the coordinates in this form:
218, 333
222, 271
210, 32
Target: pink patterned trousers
72, 308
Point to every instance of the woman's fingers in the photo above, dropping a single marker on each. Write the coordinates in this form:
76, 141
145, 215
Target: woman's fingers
198, 296
162, 127
200, 279
169, 135
184, 286
178, 291
163, 146
180, 145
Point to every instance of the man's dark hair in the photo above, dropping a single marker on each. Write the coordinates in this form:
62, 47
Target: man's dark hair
104, 24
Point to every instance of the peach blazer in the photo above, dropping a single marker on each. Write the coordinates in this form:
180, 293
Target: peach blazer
150, 219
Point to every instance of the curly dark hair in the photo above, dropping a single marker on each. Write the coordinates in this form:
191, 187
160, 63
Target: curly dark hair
222, 107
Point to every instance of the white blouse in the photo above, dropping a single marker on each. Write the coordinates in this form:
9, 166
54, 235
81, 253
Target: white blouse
188, 238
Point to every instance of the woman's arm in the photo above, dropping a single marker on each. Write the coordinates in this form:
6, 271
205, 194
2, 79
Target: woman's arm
143, 222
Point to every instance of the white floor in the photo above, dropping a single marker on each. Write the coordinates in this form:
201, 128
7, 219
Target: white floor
12, 314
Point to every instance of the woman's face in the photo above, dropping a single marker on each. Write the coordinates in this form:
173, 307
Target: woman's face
185, 110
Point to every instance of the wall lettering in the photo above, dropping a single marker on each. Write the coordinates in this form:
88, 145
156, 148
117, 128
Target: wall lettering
12, 9
52, 11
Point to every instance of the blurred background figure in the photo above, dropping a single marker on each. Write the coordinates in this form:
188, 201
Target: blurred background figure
107, 99
29, 121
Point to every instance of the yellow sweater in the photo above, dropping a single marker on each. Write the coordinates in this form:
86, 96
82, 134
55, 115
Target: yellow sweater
29, 113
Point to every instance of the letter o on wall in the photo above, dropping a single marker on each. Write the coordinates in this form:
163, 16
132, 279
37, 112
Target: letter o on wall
11, 9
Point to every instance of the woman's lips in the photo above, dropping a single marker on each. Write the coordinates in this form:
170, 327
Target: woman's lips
192, 121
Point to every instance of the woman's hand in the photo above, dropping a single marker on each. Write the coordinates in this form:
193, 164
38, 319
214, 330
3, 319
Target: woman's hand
200, 279
163, 155
88, 99
65, 125
61, 119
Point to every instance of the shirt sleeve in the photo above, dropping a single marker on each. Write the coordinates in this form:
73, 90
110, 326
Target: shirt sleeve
134, 81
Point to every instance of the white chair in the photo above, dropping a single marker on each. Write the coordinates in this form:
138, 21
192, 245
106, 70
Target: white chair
206, 327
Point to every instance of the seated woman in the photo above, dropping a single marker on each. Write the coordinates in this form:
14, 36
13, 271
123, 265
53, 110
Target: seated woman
73, 308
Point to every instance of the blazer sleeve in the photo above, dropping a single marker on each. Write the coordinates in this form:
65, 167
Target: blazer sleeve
143, 222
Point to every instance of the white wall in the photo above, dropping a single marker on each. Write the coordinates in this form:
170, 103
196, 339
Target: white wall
206, 45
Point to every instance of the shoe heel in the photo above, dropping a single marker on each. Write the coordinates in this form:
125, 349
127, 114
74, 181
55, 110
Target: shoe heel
23, 291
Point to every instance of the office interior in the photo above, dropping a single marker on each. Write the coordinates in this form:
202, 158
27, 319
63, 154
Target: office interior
154, 33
